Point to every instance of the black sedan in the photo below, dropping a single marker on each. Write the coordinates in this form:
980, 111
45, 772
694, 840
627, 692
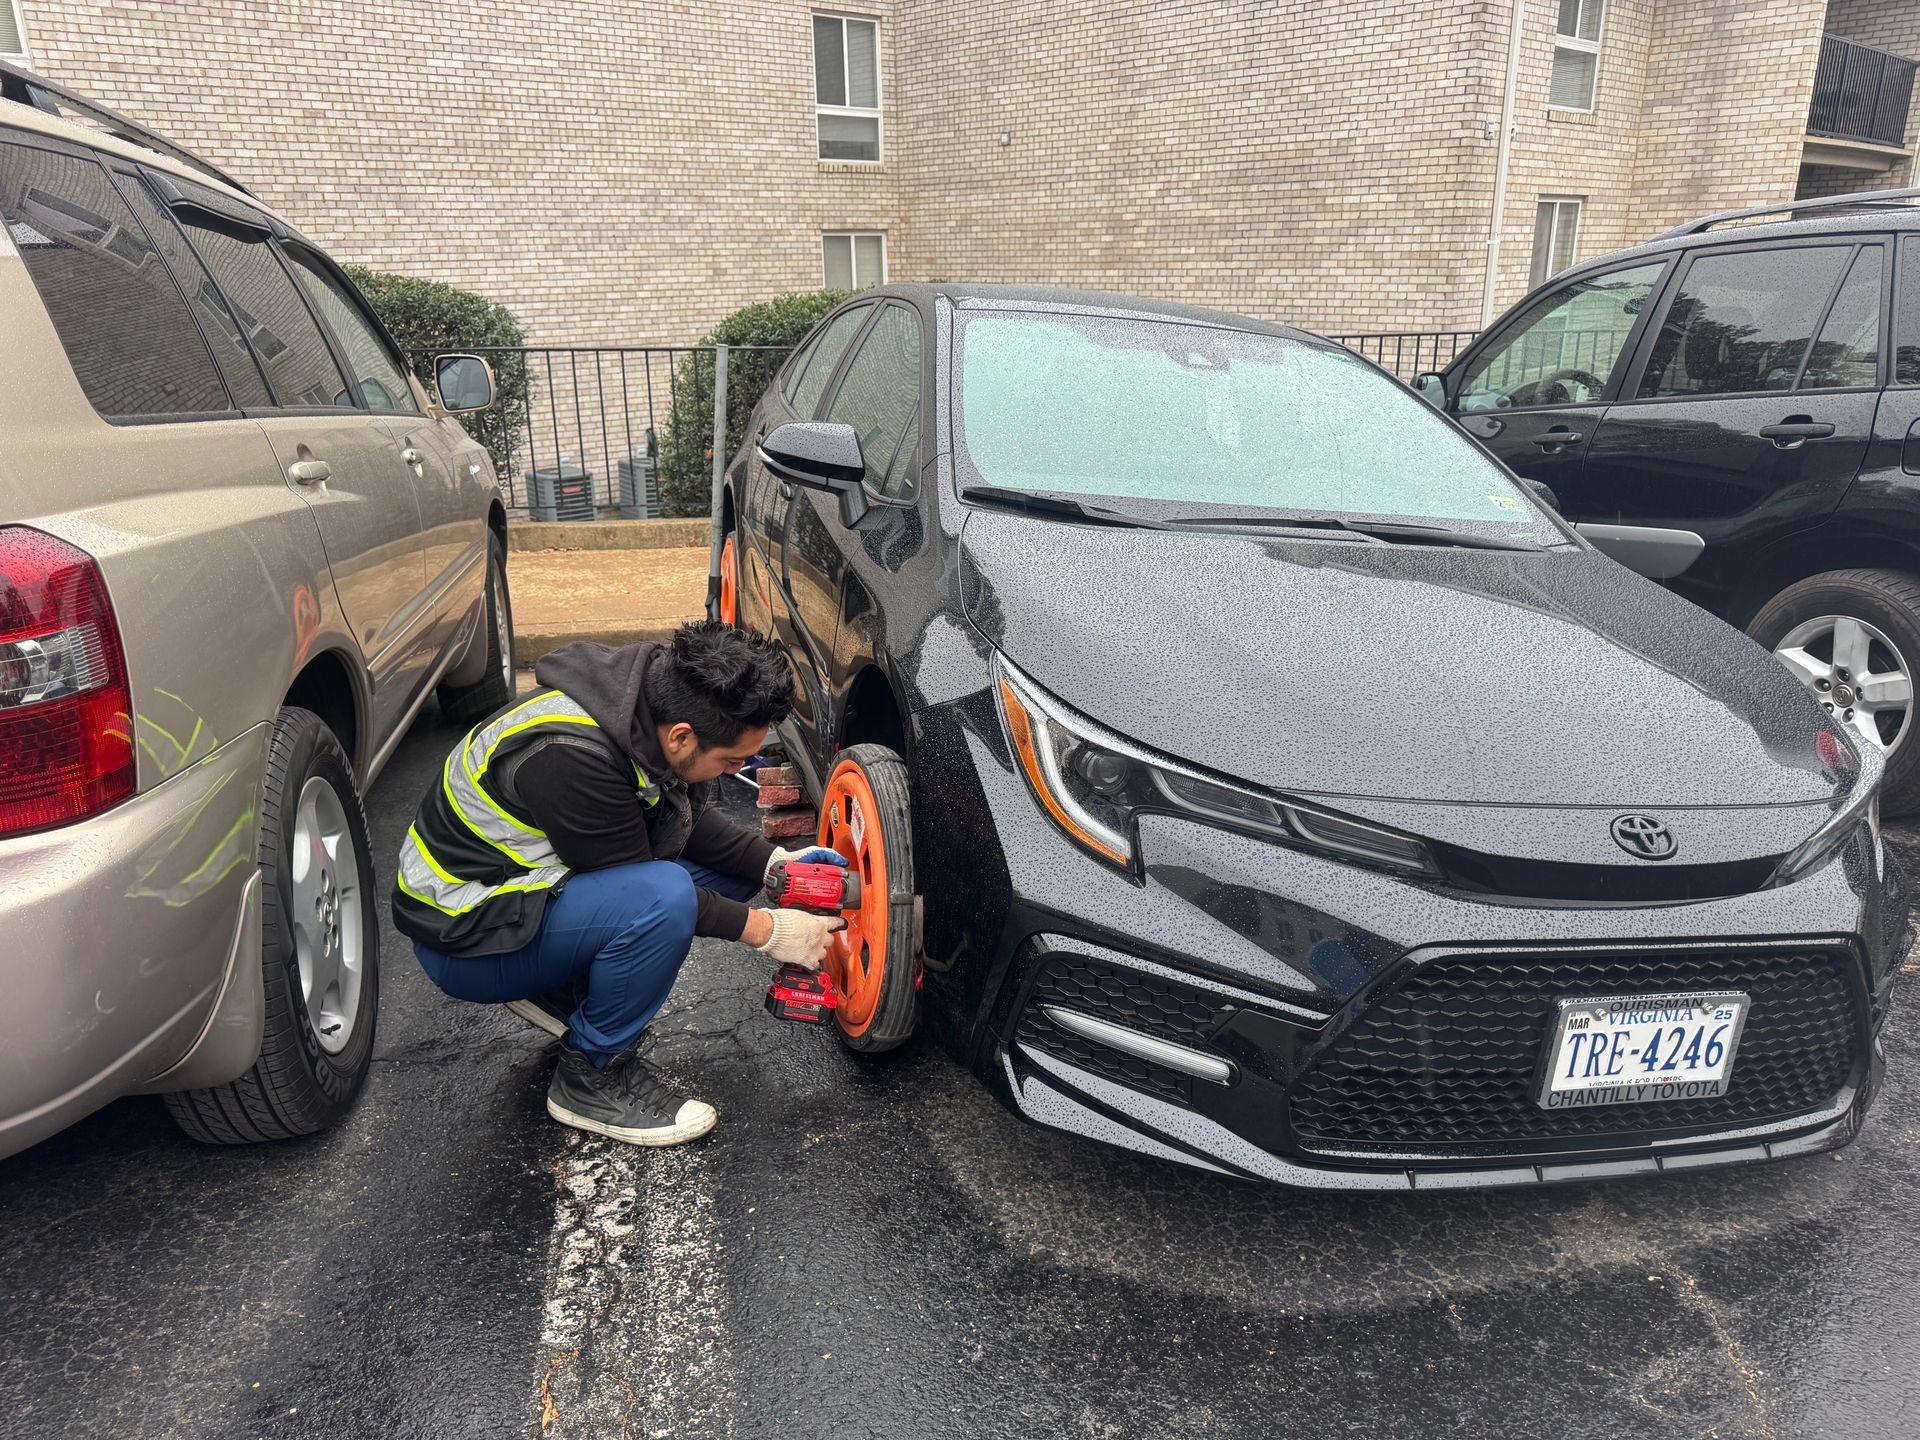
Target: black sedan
1247, 770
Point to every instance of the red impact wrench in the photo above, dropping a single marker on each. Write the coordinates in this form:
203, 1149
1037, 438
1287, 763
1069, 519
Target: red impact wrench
797, 993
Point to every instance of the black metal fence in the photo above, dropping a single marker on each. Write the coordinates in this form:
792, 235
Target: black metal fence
611, 431
1409, 353
1860, 93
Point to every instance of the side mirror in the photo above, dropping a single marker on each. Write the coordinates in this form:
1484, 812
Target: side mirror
820, 455
465, 383
1431, 388
1543, 492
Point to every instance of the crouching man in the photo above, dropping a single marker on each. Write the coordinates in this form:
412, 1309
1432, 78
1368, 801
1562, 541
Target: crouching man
565, 858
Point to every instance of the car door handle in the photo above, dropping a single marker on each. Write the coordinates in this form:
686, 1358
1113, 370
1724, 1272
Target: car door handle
1795, 431
1558, 438
410, 455
309, 472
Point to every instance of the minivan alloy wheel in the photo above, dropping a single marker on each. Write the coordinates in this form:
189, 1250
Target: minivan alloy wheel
1857, 674
328, 941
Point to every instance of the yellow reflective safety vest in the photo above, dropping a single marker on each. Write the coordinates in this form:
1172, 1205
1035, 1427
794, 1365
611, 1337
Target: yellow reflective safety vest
475, 871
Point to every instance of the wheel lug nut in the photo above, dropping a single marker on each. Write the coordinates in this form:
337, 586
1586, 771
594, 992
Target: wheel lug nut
1847, 716
1823, 684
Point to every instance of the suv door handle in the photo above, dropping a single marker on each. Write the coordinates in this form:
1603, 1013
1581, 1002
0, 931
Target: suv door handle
309, 472
1795, 431
410, 455
1558, 439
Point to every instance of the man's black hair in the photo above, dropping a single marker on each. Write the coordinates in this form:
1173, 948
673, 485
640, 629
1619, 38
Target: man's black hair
720, 679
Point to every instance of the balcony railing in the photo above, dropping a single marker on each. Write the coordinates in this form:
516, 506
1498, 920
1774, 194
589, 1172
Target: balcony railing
1860, 93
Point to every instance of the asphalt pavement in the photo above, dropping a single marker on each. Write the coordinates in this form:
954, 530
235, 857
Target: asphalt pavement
877, 1249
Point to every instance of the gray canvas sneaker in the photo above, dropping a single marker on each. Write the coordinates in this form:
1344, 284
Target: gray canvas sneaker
629, 1100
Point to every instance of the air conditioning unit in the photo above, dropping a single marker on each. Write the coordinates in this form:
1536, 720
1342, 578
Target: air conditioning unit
561, 492
639, 488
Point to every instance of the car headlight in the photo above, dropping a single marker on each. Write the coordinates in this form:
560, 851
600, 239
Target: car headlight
1862, 803
1093, 783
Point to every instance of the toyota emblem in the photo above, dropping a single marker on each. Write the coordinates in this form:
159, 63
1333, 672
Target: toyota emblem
1643, 837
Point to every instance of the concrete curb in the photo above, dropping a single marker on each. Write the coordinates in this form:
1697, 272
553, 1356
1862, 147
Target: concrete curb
529, 647
608, 534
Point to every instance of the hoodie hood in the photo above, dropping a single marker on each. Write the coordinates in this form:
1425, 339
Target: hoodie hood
609, 684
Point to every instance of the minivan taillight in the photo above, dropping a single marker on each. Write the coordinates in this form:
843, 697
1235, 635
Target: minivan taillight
66, 715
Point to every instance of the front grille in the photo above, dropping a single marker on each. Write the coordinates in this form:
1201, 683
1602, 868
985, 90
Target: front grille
1449, 1058
1139, 1001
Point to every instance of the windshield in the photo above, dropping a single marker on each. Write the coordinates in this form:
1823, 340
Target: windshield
1204, 418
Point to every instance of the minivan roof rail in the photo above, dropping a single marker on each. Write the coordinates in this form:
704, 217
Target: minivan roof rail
1861, 200
23, 87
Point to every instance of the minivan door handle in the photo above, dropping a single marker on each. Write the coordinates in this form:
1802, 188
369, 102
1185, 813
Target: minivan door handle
410, 455
309, 472
1795, 431
1558, 438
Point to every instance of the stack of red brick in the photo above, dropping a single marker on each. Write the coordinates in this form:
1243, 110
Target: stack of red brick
785, 813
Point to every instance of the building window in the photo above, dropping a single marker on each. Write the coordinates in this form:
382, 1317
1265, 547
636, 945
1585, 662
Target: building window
846, 87
1576, 54
13, 43
1556, 234
854, 262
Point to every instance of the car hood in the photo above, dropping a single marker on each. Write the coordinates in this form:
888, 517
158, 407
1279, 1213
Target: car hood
1395, 671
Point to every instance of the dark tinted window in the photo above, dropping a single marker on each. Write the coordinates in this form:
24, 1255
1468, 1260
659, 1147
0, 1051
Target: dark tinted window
217, 324
1906, 314
1847, 354
827, 351
1740, 324
270, 312
125, 326
798, 368
376, 371
880, 393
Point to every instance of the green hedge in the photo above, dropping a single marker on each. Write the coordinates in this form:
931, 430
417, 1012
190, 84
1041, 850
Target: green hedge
427, 317
686, 441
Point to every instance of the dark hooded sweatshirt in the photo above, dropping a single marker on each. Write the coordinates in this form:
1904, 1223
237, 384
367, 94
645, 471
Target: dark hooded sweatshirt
587, 806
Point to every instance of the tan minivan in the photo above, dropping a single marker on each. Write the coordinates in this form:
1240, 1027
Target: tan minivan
240, 546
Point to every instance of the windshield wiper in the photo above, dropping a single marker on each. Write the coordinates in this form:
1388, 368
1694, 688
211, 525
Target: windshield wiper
1062, 507
1383, 531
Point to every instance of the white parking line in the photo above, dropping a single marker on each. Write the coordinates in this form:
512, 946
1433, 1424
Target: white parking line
633, 1332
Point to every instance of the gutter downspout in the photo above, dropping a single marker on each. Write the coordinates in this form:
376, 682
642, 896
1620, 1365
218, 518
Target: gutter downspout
1501, 164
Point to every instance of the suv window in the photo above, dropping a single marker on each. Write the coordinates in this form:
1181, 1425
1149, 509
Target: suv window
1906, 315
381, 379
880, 394
1847, 354
1741, 323
124, 323
217, 324
797, 369
827, 351
275, 320
1562, 348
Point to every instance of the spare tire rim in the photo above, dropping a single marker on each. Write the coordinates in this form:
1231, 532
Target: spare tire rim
1856, 673
850, 823
729, 583
329, 940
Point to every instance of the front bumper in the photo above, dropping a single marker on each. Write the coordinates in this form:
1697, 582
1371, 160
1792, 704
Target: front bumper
120, 932
1270, 959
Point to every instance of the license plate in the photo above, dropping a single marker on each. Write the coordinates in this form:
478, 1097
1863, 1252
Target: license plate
1635, 1049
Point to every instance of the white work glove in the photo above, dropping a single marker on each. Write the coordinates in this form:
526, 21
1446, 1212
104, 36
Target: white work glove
812, 855
799, 937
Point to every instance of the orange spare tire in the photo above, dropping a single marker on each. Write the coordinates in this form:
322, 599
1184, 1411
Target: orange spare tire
864, 815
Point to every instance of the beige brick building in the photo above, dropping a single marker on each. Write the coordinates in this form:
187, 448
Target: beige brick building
630, 170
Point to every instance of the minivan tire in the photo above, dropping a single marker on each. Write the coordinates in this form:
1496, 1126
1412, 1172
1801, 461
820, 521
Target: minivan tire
1889, 601
465, 704
297, 1087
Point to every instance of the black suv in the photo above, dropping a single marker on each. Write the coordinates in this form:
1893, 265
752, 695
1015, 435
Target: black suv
1734, 410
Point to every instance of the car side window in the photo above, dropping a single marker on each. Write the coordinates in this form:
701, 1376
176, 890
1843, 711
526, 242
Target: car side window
1562, 349
124, 324
1906, 314
1741, 323
832, 344
798, 368
377, 372
1847, 353
880, 395
275, 320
